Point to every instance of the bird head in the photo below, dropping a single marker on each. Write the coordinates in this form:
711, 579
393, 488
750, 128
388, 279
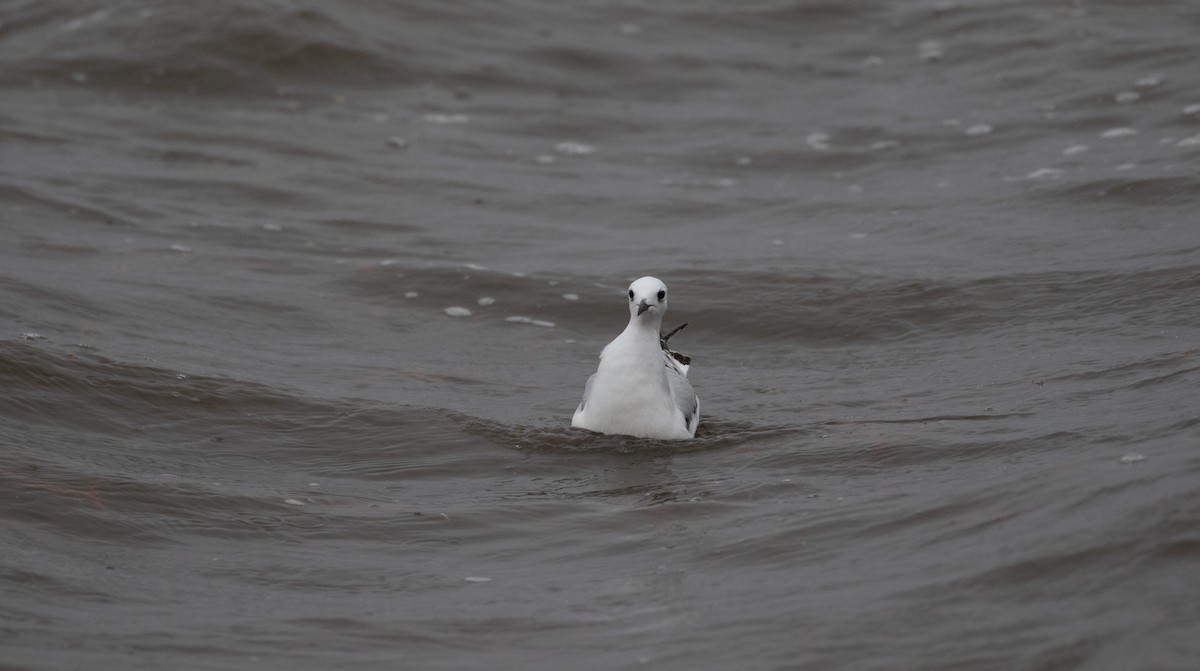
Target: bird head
647, 298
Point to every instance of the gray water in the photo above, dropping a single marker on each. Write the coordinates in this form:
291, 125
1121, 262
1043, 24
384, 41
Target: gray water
940, 262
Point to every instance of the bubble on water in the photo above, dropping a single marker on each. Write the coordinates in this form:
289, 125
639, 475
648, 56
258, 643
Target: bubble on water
1045, 173
1118, 132
442, 118
574, 148
487, 300
180, 376
570, 297
818, 141
931, 51
457, 311
978, 130
1133, 458
1075, 149
1125, 97
411, 294
517, 319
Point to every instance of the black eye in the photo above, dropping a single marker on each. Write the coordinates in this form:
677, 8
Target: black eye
661, 294
631, 294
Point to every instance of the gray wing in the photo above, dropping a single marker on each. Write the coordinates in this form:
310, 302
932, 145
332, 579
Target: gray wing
684, 397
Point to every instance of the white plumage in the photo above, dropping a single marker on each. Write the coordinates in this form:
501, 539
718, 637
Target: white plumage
639, 388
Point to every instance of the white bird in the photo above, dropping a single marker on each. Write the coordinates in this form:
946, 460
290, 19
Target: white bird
640, 387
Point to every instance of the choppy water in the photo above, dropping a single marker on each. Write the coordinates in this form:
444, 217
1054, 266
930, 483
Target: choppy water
940, 260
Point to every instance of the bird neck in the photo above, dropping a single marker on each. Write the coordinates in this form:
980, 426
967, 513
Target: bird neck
644, 328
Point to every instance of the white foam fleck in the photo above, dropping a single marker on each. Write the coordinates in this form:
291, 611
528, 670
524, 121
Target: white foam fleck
441, 118
743, 161
1045, 173
629, 29
273, 227
487, 300
457, 311
32, 336
476, 579
1192, 109
76, 24
180, 248
1149, 81
872, 61
411, 294
1133, 458
574, 148
570, 297
1118, 132
884, 144
818, 141
1193, 141
545, 159
978, 129
1075, 149
1125, 97
931, 50
397, 142
293, 502
517, 319
1127, 166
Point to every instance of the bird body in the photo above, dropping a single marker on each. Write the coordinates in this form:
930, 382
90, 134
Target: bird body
640, 389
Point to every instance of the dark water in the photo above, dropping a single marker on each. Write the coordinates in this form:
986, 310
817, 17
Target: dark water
941, 262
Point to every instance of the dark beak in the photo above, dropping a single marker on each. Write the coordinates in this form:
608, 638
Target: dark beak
642, 307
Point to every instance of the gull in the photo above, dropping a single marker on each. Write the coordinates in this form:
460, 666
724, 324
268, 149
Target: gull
640, 387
